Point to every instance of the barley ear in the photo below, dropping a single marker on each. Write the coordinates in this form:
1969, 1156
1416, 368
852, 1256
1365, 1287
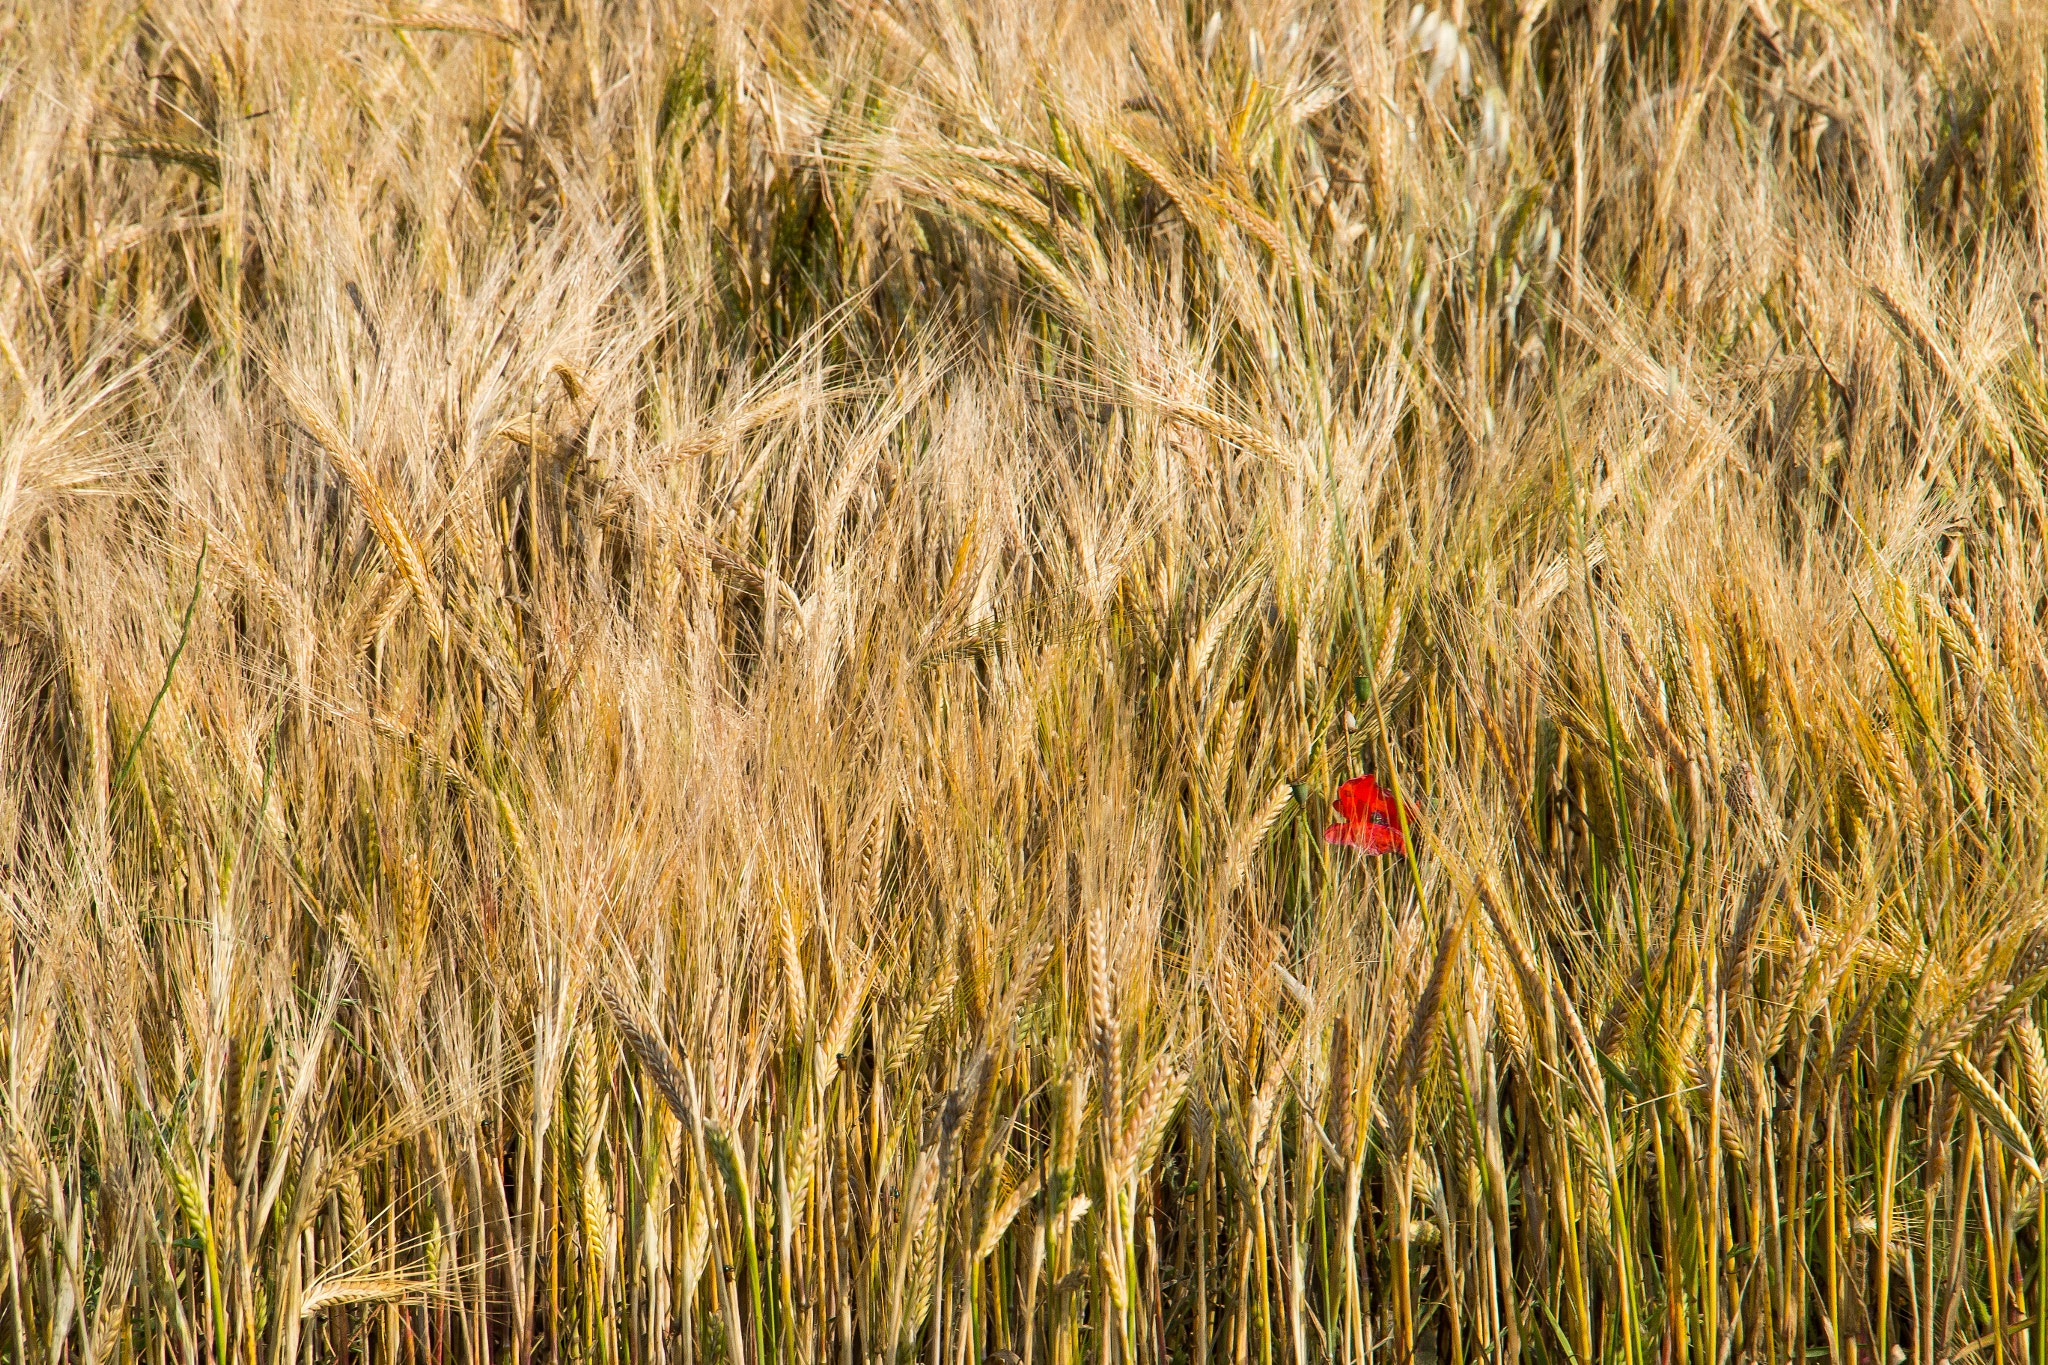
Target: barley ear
653, 1054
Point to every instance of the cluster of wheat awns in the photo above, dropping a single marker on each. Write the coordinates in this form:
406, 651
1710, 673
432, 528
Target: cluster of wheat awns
669, 680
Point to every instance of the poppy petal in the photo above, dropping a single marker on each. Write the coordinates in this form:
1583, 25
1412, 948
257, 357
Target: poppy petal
1355, 798
1370, 839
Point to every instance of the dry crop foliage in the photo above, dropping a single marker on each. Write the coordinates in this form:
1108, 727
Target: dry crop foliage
669, 679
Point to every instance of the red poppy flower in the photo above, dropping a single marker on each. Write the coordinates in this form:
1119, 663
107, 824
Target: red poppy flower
1368, 818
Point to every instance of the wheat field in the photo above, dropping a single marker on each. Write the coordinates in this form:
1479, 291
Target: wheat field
671, 679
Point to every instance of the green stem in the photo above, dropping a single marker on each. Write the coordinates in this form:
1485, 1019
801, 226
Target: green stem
184, 634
